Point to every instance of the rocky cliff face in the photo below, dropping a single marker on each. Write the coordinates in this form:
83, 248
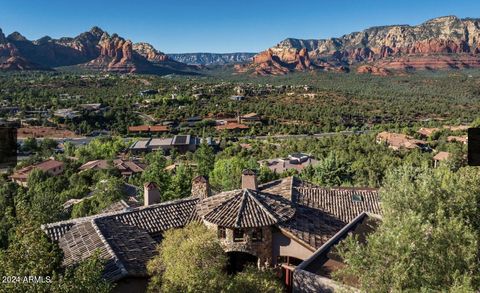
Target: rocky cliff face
10, 58
95, 50
150, 53
387, 47
212, 58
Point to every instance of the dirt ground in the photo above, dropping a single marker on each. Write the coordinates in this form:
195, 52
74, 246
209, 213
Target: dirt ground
44, 132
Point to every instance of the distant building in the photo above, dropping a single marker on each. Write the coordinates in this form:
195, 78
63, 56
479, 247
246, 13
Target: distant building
250, 118
181, 143
397, 141
237, 98
91, 107
441, 156
51, 167
462, 139
148, 92
297, 161
66, 113
457, 128
232, 126
427, 132
148, 129
126, 167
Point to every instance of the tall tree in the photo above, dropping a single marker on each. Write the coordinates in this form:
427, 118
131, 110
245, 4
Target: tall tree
201, 271
227, 173
205, 159
429, 237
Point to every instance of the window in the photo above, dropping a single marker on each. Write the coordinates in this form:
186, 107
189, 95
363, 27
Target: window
357, 197
222, 234
238, 235
257, 234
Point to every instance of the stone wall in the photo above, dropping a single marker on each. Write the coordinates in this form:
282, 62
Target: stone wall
261, 249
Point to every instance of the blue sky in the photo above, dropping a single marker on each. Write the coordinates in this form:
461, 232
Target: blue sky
219, 26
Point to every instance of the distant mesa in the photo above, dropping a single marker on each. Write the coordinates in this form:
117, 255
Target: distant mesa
208, 59
441, 43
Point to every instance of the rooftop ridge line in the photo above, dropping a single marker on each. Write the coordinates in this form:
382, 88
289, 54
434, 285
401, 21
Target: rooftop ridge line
117, 260
242, 207
115, 213
264, 208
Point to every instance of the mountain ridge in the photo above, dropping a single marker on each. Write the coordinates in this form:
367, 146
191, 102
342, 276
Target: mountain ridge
447, 35
95, 50
205, 58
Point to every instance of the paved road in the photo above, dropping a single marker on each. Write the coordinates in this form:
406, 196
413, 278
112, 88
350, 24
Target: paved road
300, 136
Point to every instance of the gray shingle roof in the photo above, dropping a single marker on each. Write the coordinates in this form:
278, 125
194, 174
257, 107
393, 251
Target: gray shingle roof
322, 212
125, 239
245, 208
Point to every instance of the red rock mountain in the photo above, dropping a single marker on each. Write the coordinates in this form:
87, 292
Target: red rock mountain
94, 50
440, 43
10, 58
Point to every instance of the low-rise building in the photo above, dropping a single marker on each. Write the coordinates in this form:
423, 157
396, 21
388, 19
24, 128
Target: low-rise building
250, 118
237, 98
148, 129
462, 139
125, 167
232, 126
51, 167
181, 143
427, 132
397, 141
296, 161
66, 113
439, 157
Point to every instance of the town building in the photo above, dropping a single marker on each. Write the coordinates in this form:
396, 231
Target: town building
148, 92
180, 143
148, 129
237, 98
462, 139
66, 113
296, 161
439, 157
427, 132
51, 167
277, 224
125, 167
250, 118
397, 141
232, 126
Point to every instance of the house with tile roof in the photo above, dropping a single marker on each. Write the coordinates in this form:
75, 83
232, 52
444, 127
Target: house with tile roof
296, 161
397, 141
439, 157
125, 167
276, 224
51, 167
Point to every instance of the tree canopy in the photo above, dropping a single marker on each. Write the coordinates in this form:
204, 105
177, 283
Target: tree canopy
429, 236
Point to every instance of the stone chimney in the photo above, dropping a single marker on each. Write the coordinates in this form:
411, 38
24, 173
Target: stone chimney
151, 194
200, 187
249, 179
